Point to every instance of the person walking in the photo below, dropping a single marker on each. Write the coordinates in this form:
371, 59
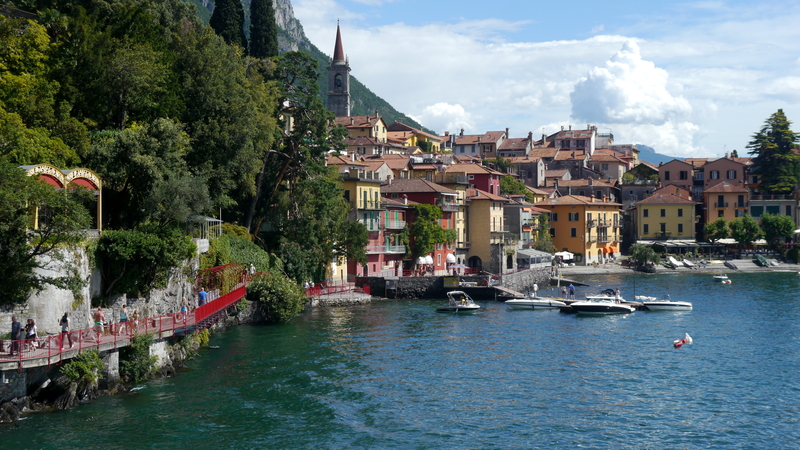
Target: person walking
99, 321
30, 334
64, 322
123, 320
184, 309
535, 290
16, 329
201, 297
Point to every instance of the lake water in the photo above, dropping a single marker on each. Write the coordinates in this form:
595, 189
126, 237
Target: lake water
396, 374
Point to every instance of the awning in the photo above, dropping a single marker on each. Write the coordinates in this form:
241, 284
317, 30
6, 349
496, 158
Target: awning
450, 258
610, 249
428, 259
564, 255
421, 260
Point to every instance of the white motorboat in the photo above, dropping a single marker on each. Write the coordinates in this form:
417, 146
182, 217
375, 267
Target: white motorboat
601, 305
459, 301
531, 302
665, 304
721, 277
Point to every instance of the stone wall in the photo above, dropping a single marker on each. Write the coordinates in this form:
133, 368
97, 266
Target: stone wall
523, 281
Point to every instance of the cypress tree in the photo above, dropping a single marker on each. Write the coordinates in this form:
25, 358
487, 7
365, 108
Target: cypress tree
227, 20
263, 29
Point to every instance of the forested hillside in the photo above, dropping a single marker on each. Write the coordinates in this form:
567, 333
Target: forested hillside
291, 37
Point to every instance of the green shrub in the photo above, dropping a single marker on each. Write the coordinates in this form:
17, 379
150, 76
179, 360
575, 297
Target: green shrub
86, 368
231, 249
135, 261
281, 297
135, 362
203, 337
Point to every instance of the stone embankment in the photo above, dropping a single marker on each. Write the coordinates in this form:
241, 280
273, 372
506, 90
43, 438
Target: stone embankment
742, 265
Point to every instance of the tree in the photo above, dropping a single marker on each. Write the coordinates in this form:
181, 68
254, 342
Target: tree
643, 255
745, 230
774, 162
280, 297
777, 226
227, 20
425, 232
24, 249
544, 241
263, 29
511, 186
146, 175
716, 230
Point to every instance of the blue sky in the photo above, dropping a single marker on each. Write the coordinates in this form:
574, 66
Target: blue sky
689, 79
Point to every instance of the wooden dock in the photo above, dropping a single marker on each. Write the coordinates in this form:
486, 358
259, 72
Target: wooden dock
506, 292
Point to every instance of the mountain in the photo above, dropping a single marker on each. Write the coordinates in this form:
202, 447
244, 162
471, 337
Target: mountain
650, 155
292, 38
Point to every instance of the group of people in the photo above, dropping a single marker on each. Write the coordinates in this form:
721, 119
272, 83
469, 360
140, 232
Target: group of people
18, 333
124, 322
568, 292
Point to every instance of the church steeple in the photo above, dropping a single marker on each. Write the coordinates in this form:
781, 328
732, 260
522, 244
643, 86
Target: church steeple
339, 79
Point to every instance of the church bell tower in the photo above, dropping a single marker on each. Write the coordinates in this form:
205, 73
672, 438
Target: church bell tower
339, 80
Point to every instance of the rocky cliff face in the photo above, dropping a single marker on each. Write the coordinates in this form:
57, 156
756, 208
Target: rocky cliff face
292, 37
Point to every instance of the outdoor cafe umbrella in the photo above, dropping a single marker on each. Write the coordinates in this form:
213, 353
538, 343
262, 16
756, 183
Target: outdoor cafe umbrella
565, 255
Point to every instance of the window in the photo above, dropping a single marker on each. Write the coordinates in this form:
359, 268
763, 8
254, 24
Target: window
462, 148
684, 175
789, 210
714, 175
720, 201
680, 228
552, 232
599, 195
663, 228
530, 174
605, 166
721, 213
645, 213
740, 201
663, 212
573, 232
573, 217
757, 211
589, 216
553, 217
666, 174
680, 212
731, 174
646, 228
439, 259
582, 193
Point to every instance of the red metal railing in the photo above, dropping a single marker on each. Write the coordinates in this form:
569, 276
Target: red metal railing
321, 289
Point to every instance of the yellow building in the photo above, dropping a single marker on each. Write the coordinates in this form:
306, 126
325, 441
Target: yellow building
412, 137
664, 216
585, 226
486, 232
364, 126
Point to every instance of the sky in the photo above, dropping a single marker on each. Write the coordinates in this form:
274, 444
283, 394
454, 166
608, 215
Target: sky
690, 79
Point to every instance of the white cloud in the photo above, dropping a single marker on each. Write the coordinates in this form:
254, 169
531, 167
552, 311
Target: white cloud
442, 117
627, 90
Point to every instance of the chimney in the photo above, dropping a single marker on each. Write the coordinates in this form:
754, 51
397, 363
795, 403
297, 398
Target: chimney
506, 132
590, 181
530, 136
462, 133
544, 140
479, 138
405, 199
352, 121
570, 127
562, 127
377, 114
353, 157
447, 133
389, 180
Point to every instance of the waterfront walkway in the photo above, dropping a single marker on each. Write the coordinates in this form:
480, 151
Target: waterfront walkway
53, 349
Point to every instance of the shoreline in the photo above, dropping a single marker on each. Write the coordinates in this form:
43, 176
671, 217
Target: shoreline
743, 265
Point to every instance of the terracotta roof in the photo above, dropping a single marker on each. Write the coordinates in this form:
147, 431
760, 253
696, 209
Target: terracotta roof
605, 157
514, 144
556, 173
358, 121
673, 189
477, 194
647, 164
374, 165
547, 152
567, 154
664, 199
399, 135
424, 167
366, 141
583, 182
465, 158
575, 200
538, 191
414, 185
697, 162
725, 187
342, 161
490, 137
401, 127
392, 162
397, 202
574, 134
523, 159
469, 169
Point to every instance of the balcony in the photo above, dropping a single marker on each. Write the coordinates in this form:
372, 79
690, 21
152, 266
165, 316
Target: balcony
376, 249
373, 205
603, 223
591, 223
721, 205
663, 235
373, 226
456, 178
771, 197
640, 183
395, 224
604, 239
463, 245
448, 206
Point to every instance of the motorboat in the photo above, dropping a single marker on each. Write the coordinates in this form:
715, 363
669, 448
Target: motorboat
531, 302
665, 304
458, 301
721, 277
601, 305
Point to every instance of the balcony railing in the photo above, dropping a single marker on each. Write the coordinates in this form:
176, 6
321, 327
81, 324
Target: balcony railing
372, 225
604, 239
463, 244
395, 224
366, 204
374, 249
721, 205
448, 206
771, 197
603, 223
664, 235
455, 178
591, 223
640, 183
